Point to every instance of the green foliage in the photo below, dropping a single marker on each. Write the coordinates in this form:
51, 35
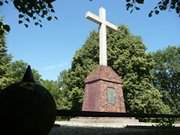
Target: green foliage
71, 98
14, 72
37, 10
53, 88
5, 59
166, 122
162, 5
127, 56
166, 74
4, 28
71, 81
11, 72
30, 11
17, 69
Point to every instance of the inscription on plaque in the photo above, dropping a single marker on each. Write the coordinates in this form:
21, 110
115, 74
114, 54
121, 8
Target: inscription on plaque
111, 95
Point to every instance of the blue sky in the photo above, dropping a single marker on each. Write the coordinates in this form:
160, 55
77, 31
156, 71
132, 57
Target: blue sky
50, 49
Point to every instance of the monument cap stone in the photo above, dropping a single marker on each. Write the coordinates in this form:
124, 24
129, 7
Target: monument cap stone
103, 73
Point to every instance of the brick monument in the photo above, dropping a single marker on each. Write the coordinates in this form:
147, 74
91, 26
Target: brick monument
103, 91
103, 87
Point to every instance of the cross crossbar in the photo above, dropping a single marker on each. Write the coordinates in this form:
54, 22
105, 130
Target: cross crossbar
91, 16
101, 20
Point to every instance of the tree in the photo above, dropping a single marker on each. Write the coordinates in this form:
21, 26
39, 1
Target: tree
5, 59
36, 10
55, 91
30, 11
127, 56
70, 99
17, 69
162, 5
11, 72
166, 74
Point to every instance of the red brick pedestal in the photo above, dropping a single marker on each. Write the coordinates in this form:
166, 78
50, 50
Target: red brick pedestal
103, 91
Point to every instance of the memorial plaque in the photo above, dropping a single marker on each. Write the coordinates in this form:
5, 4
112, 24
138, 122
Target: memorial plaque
111, 95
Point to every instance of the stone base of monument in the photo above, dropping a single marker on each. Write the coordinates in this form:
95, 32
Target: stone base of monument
113, 122
106, 121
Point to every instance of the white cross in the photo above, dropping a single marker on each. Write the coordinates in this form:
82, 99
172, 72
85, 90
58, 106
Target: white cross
101, 20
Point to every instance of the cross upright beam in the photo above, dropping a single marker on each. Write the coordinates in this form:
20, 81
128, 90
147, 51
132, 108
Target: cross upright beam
101, 20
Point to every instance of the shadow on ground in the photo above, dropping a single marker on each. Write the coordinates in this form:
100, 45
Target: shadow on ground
130, 130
